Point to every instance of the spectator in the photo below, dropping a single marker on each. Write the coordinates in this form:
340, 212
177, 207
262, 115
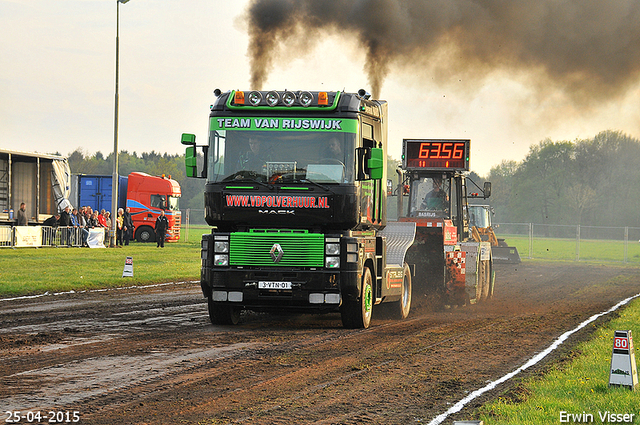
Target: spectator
87, 213
102, 218
127, 223
93, 220
51, 221
119, 227
22, 215
75, 226
65, 221
82, 224
48, 232
162, 224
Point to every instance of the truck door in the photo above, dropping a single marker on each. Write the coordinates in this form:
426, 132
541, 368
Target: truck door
373, 204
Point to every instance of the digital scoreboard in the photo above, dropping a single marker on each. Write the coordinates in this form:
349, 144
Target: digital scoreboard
435, 154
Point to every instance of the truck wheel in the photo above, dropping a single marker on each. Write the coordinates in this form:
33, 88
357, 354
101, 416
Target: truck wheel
483, 280
223, 314
405, 301
492, 280
145, 234
357, 314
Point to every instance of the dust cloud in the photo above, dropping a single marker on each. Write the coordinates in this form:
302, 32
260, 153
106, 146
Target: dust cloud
589, 49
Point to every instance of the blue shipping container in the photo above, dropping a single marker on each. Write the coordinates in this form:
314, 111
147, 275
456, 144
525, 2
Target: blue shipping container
95, 191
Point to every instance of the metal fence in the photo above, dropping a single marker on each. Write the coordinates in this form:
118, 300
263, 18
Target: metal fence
41, 236
572, 242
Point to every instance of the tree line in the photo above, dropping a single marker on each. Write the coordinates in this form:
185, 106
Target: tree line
589, 182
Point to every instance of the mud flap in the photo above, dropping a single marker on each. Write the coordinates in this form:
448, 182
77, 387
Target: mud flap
455, 277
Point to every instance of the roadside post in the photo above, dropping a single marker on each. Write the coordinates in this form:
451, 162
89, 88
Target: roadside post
128, 267
623, 370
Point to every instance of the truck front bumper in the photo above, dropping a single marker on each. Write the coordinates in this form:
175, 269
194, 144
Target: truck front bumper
291, 290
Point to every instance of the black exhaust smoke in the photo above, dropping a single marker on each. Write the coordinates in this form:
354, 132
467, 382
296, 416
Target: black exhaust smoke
588, 48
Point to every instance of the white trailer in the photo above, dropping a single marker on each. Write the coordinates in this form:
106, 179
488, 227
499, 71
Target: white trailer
41, 181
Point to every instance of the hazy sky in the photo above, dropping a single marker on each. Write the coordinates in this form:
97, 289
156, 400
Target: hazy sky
57, 82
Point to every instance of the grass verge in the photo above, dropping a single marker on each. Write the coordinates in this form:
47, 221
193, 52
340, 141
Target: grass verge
27, 271
578, 387
569, 250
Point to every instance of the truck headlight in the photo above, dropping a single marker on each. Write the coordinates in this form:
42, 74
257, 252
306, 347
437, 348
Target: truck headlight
332, 262
221, 260
221, 246
332, 249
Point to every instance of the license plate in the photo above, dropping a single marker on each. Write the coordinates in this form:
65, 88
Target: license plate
274, 285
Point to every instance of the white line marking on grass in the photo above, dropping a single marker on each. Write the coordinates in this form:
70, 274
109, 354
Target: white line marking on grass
28, 297
459, 405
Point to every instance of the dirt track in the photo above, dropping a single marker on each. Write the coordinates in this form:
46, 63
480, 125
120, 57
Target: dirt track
151, 356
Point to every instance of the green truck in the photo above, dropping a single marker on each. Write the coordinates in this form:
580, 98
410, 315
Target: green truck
295, 193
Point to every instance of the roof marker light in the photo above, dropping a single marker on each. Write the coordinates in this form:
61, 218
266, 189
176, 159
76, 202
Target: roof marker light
323, 99
238, 98
272, 98
255, 97
305, 98
288, 98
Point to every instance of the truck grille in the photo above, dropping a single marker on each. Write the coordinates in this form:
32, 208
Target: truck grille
298, 247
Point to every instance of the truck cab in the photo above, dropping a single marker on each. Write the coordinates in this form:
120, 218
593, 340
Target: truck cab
296, 196
147, 195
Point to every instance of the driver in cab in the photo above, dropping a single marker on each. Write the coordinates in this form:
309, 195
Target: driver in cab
436, 199
255, 159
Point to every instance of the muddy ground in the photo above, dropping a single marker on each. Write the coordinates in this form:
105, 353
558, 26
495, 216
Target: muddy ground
151, 356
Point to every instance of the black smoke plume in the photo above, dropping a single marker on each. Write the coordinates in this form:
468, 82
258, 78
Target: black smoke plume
588, 48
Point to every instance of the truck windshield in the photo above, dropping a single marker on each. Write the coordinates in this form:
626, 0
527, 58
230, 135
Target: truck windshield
281, 156
430, 197
479, 216
160, 201
173, 203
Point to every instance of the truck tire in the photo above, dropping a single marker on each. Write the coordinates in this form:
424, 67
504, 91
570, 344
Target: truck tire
145, 234
357, 314
404, 305
398, 310
483, 280
492, 280
223, 314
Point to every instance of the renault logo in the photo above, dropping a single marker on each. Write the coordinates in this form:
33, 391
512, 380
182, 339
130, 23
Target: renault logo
276, 252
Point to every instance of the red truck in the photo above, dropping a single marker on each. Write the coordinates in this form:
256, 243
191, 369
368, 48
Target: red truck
145, 195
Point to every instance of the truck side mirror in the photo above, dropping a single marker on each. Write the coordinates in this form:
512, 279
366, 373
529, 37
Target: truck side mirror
487, 189
188, 139
375, 164
191, 162
190, 157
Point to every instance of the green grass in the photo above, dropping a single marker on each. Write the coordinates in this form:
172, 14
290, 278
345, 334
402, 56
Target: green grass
581, 385
566, 249
26, 271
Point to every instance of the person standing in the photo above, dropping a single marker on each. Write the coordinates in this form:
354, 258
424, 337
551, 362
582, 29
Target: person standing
65, 223
127, 223
76, 225
22, 215
162, 224
119, 227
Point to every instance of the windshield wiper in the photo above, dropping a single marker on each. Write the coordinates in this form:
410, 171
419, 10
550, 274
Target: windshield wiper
252, 180
316, 184
243, 176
